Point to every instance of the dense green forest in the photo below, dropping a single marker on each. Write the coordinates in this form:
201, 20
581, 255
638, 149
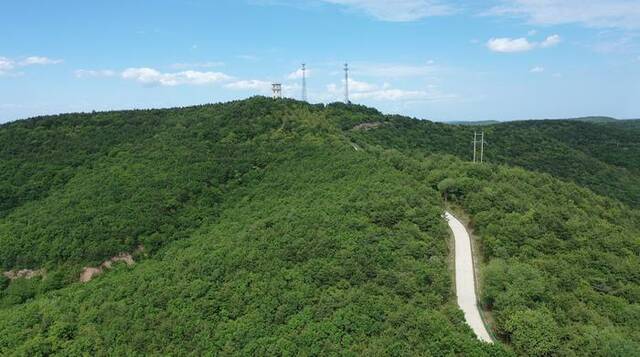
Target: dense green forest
600, 156
273, 227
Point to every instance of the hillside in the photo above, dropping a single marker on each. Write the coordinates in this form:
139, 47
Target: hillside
264, 227
602, 157
592, 119
595, 119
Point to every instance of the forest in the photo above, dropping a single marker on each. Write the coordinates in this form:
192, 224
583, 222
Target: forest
601, 156
276, 227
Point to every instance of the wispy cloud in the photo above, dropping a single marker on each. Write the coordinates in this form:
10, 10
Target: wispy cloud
508, 45
383, 10
393, 94
397, 10
593, 13
8, 65
252, 84
611, 42
551, 41
88, 73
37, 60
360, 90
537, 69
298, 74
150, 76
153, 77
511, 45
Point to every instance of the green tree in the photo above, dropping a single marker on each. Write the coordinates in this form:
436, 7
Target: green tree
533, 333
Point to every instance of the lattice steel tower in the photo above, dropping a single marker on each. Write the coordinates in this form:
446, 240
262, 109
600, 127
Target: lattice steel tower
346, 84
304, 82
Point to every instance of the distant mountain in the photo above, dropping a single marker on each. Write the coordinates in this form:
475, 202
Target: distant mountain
596, 119
474, 123
593, 119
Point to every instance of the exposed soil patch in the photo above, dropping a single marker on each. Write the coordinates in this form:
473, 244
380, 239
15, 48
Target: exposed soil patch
88, 273
24, 274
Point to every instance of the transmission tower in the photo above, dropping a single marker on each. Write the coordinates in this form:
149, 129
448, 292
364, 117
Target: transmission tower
482, 148
304, 82
346, 84
475, 146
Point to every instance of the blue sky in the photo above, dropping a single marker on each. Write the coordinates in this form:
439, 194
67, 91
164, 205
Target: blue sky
434, 59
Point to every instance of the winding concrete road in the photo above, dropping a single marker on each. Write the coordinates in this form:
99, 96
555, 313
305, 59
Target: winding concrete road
465, 279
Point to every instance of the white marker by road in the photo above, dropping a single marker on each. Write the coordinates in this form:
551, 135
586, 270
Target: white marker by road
465, 280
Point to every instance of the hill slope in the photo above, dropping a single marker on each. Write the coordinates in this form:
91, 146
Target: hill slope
601, 157
271, 227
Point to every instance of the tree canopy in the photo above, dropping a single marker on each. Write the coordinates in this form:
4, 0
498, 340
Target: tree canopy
273, 227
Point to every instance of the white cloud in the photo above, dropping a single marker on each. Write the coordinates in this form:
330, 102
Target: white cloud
392, 94
37, 60
397, 10
532, 32
354, 87
7, 65
152, 76
592, 13
298, 74
292, 90
551, 41
363, 90
253, 84
509, 45
85, 73
357, 86
537, 69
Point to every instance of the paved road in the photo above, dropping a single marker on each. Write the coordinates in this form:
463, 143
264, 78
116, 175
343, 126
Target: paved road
465, 282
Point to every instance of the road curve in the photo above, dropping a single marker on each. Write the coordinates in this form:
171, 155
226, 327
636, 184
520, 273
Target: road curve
465, 279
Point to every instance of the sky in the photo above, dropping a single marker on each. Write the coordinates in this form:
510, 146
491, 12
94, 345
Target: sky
443, 60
